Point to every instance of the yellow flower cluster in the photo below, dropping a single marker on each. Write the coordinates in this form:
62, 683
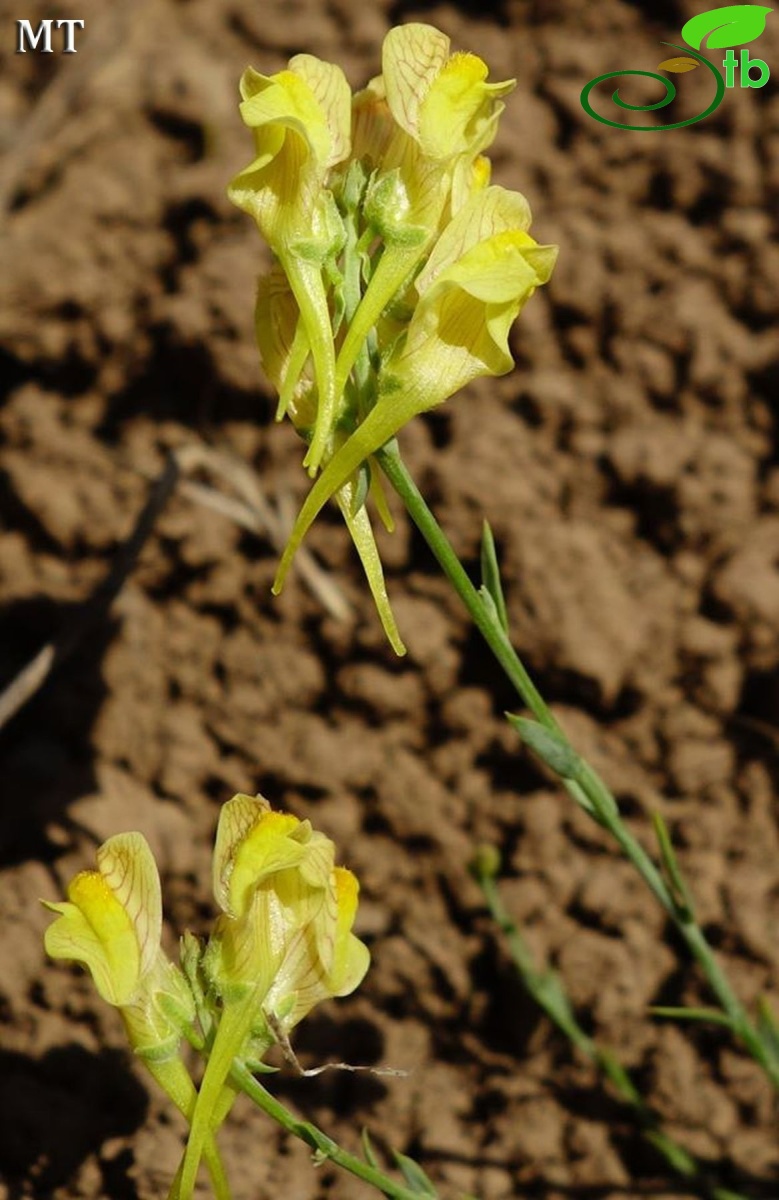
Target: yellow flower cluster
282, 944
399, 269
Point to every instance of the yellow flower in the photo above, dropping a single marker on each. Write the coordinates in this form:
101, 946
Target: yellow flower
288, 910
483, 269
425, 122
112, 923
301, 121
442, 101
323, 959
283, 943
112, 920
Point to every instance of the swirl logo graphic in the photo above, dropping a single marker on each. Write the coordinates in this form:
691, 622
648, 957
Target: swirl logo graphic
717, 29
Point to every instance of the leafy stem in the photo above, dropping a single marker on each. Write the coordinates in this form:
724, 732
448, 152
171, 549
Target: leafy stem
584, 785
323, 1146
547, 989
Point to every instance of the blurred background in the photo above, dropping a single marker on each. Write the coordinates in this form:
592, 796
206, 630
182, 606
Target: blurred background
629, 470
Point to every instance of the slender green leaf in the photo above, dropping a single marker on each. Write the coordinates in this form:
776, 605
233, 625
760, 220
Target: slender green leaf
681, 893
618, 1076
673, 1153
732, 25
489, 604
550, 747
258, 1067
367, 1149
414, 1175
709, 1015
319, 1141
490, 575
768, 1027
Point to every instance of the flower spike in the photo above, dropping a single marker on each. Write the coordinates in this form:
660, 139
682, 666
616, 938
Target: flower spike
282, 944
399, 269
482, 271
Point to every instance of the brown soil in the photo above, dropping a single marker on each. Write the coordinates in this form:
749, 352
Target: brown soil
629, 470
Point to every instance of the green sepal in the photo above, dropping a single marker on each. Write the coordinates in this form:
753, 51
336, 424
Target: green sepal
351, 187
159, 1051
190, 953
385, 208
257, 1067
330, 241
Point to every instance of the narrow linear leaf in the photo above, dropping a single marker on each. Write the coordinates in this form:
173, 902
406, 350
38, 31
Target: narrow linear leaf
323, 1145
676, 1155
550, 747
489, 604
678, 65
367, 1149
732, 25
618, 1076
768, 1027
709, 1015
414, 1176
490, 575
258, 1067
681, 893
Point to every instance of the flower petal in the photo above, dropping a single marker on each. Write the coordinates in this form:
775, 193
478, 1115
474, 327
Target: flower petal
489, 211
112, 920
412, 57
332, 93
324, 959
266, 848
301, 121
236, 818
128, 867
460, 112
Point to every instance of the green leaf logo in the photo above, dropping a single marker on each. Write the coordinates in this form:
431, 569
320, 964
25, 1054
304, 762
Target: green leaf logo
732, 25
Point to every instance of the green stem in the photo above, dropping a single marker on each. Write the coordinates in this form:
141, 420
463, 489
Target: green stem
587, 788
209, 1111
547, 991
173, 1077
313, 1137
395, 469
